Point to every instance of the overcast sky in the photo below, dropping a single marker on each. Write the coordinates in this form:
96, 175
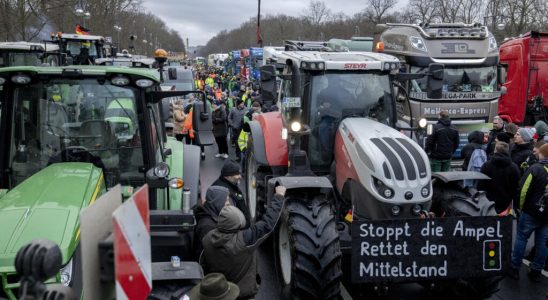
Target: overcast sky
200, 20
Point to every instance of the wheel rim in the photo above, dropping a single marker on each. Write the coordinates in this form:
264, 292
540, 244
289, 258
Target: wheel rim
284, 253
251, 185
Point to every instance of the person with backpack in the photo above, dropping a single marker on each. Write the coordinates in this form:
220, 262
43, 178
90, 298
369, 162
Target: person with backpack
475, 141
443, 142
533, 202
523, 146
504, 174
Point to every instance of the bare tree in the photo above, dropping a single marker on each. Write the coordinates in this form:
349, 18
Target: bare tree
377, 9
421, 11
316, 13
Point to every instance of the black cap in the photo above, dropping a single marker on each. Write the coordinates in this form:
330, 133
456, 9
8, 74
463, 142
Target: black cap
230, 168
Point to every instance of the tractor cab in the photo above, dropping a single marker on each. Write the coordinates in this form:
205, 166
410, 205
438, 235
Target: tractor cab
80, 49
28, 54
323, 88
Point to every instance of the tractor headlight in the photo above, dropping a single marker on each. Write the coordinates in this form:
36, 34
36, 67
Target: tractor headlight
418, 43
20, 79
382, 189
65, 273
296, 126
423, 123
161, 170
425, 191
396, 209
492, 43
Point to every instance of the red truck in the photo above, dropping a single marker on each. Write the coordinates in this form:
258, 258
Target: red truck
526, 62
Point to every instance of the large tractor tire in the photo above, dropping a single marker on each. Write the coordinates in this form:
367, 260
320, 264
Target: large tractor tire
307, 250
455, 201
255, 185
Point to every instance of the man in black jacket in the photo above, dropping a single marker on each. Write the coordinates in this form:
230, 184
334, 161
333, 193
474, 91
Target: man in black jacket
498, 126
533, 217
230, 178
233, 252
442, 143
206, 214
504, 174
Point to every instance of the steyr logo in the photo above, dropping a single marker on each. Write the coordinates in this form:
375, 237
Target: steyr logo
461, 48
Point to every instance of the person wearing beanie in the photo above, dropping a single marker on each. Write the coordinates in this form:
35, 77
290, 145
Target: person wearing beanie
533, 217
523, 146
207, 213
230, 178
503, 137
231, 248
542, 130
503, 185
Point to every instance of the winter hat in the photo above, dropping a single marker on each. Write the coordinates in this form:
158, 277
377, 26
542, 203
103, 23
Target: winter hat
231, 219
215, 200
544, 150
503, 137
230, 168
541, 127
526, 134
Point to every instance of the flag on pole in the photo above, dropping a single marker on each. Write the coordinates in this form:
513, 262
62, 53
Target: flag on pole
81, 30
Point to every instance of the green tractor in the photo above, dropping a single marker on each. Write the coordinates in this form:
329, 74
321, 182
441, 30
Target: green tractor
69, 134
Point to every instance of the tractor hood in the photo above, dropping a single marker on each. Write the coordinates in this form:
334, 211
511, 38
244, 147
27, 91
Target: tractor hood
47, 205
385, 159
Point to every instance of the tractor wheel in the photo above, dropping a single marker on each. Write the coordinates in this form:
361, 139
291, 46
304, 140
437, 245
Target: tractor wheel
461, 203
255, 186
307, 250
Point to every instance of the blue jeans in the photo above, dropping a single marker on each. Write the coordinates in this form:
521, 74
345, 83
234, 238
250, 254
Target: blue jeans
526, 225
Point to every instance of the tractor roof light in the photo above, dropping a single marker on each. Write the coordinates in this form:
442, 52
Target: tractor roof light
160, 55
422, 123
120, 80
379, 46
144, 83
21, 79
313, 65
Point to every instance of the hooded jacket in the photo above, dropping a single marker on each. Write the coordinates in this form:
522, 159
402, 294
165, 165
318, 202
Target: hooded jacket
475, 141
531, 189
232, 251
236, 195
207, 214
520, 152
503, 186
443, 141
490, 146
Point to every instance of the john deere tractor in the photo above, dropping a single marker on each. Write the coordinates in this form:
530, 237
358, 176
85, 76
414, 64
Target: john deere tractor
71, 133
348, 165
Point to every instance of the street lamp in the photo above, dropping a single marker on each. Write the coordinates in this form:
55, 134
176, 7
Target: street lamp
79, 12
118, 29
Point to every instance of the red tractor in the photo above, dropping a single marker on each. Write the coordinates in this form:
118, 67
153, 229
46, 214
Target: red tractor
335, 147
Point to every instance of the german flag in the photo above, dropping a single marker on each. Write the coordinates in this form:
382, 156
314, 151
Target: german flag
81, 30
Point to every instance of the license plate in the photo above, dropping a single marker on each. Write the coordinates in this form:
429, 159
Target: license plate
292, 102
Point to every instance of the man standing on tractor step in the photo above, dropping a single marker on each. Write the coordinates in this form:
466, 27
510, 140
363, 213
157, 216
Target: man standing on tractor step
442, 143
230, 178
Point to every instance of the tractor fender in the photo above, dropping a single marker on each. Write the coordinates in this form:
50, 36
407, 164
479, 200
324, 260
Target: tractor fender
299, 182
257, 141
191, 172
273, 146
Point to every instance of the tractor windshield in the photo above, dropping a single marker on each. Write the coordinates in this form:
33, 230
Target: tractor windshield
76, 121
335, 96
74, 47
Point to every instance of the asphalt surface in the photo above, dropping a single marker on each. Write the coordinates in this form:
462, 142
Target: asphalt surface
270, 288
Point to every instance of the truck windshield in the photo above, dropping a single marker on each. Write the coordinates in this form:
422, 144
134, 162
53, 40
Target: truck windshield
335, 96
76, 121
473, 79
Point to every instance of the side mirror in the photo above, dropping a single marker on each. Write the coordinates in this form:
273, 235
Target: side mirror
501, 74
172, 73
434, 81
167, 152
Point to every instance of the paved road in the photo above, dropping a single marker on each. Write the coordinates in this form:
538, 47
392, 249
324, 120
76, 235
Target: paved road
270, 287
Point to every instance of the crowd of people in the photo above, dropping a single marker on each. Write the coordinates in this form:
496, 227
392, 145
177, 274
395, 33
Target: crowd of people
516, 160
